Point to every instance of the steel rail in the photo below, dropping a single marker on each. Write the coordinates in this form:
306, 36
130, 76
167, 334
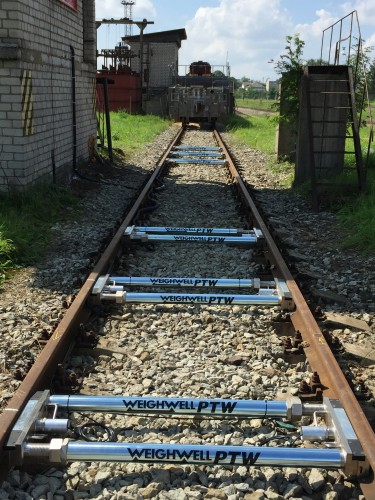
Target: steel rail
55, 350
318, 352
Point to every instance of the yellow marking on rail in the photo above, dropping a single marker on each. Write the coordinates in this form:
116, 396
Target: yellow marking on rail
56, 335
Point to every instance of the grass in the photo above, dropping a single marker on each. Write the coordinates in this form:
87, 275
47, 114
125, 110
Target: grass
256, 103
356, 212
131, 132
357, 216
256, 131
6, 250
26, 218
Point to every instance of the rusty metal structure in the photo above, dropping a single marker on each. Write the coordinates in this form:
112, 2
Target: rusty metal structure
333, 96
125, 92
347, 31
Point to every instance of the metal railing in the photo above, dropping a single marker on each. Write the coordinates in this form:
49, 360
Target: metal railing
347, 29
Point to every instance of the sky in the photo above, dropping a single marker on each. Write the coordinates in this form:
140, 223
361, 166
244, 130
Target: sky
246, 34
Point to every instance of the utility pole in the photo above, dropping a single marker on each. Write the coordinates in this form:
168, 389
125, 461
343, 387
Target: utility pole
142, 25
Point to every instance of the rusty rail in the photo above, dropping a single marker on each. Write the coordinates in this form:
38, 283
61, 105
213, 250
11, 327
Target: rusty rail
318, 352
55, 349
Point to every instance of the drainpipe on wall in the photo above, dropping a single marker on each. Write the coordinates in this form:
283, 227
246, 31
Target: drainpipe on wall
74, 108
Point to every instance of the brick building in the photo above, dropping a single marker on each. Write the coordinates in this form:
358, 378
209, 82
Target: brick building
47, 88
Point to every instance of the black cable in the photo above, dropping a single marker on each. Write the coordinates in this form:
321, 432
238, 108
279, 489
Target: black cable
90, 179
82, 431
280, 435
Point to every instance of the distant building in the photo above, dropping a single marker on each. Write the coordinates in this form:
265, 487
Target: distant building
158, 54
272, 85
254, 86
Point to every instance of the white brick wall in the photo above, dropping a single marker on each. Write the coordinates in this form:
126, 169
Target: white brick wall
35, 40
163, 55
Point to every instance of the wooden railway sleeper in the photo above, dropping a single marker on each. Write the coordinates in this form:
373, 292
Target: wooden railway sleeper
40, 433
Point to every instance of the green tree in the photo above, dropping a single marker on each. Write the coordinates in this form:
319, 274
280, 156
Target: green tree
290, 66
361, 65
316, 62
371, 79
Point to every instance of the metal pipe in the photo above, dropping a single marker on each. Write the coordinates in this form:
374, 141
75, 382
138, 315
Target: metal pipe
330, 47
196, 148
78, 451
59, 425
108, 119
195, 153
197, 160
192, 298
212, 231
350, 43
188, 282
317, 433
321, 49
179, 406
74, 107
339, 45
245, 239
340, 20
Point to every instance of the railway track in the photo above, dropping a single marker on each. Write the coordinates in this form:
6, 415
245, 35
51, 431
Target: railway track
199, 339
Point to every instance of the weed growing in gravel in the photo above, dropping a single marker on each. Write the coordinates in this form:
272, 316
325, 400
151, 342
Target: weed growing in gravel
358, 218
6, 249
26, 220
258, 132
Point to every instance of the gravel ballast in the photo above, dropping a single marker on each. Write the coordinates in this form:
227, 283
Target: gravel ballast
184, 350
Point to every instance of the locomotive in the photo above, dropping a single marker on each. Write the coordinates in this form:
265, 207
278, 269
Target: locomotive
201, 95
